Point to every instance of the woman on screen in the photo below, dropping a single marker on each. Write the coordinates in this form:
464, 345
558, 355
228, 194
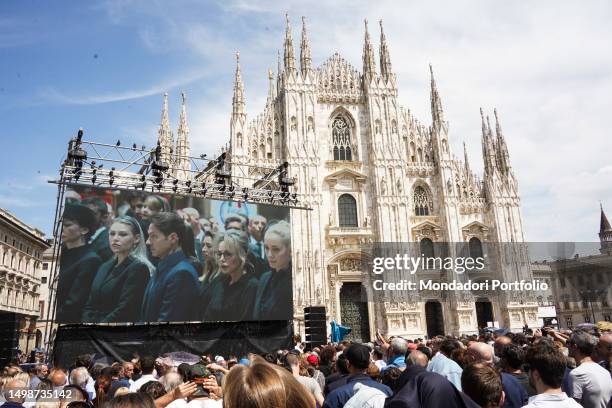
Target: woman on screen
274, 299
154, 204
232, 294
78, 263
119, 285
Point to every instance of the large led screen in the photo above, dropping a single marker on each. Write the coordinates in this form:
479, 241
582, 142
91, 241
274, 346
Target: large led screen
131, 256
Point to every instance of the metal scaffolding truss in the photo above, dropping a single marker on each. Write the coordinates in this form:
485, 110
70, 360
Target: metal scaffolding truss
140, 168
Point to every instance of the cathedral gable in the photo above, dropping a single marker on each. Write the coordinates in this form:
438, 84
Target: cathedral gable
339, 81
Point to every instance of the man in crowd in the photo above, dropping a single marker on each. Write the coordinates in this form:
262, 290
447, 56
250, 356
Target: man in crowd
172, 291
515, 394
99, 240
357, 362
419, 388
396, 354
257, 226
499, 344
192, 217
128, 372
590, 383
147, 366
79, 376
546, 369
58, 378
42, 370
483, 385
14, 398
442, 364
511, 362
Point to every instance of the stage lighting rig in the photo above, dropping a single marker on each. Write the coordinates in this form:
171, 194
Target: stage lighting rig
158, 167
283, 181
76, 155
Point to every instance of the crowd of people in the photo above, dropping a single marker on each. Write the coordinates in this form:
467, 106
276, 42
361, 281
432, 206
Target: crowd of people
145, 262
548, 368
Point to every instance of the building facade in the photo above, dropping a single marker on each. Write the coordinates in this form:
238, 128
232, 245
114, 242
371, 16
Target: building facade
371, 172
580, 285
21, 249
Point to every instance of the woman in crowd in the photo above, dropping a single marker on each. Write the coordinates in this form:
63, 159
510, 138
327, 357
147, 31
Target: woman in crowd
264, 385
154, 204
78, 263
233, 293
190, 250
274, 299
118, 288
211, 269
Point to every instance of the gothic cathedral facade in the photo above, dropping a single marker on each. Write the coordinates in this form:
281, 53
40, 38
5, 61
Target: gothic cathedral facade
371, 172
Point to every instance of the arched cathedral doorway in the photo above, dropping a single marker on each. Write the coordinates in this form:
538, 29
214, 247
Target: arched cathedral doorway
354, 311
484, 312
434, 318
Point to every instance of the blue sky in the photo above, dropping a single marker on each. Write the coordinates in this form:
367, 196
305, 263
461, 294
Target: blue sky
104, 65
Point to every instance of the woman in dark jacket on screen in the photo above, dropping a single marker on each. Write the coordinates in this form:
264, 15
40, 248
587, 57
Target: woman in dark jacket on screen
119, 285
78, 263
232, 293
274, 298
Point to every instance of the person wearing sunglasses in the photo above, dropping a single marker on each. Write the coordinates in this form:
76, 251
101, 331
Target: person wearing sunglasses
590, 383
233, 295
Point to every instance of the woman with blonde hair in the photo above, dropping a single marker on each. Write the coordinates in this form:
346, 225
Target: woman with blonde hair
118, 288
232, 295
264, 385
274, 297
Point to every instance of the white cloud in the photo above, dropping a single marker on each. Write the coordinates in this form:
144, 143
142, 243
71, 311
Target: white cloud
52, 95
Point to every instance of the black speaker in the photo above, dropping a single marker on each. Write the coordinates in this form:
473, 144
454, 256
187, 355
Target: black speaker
316, 326
9, 337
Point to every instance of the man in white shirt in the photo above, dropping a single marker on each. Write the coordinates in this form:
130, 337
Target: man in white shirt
147, 367
546, 368
590, 383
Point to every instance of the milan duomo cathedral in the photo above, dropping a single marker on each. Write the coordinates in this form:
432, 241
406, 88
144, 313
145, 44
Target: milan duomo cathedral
371, 172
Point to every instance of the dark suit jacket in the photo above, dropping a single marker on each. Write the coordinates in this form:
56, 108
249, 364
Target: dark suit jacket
198, 250
101, 246
274, 297
419, 388
78, 267
260, 263
172, 293
117, 292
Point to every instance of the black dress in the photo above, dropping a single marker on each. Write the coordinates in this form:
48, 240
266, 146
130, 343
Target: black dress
274, 298
231, 302
78, 267
117, 292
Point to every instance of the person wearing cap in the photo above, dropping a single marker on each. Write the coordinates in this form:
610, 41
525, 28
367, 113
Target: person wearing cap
357, 361
78, 263
313, 361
